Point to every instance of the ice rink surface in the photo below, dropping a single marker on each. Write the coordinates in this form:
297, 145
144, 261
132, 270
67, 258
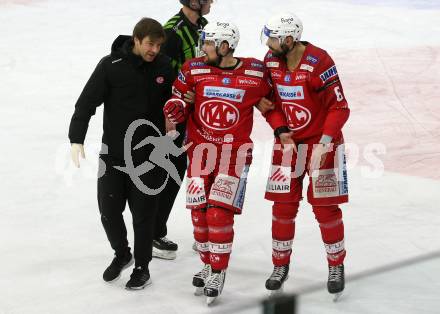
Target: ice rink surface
53, 248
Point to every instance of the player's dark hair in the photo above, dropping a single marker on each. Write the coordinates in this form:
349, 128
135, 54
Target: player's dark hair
148, 27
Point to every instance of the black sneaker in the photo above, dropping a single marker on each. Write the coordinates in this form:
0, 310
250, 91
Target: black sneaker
113, 272
164, 248
139, 279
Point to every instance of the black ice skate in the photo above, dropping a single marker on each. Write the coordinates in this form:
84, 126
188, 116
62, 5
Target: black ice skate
214, 286
164, 248
199, 279
119, 263
277, 279
139, 279
336, 280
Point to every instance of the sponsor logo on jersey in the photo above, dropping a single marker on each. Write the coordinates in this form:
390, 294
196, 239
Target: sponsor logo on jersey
198, 79
300, 77
279, 180
306, 67
200, 71
218, 115
332, 72
219, 248
241, 190
254, 73
247, 81
181, 77
224, 189
343, 180
298, 116
312, 59
226, 81
231, 94
272, 64
195, 191
290, 92
160, 80
335, 247
257, 65
276, 74
282, 245
197, 64
325, 184
176, 92
206, 133
288, 78
280, 254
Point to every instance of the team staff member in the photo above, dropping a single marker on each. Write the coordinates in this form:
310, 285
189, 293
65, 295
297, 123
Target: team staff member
133, 82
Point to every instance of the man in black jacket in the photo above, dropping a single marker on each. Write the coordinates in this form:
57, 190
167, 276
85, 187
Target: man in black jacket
133, 82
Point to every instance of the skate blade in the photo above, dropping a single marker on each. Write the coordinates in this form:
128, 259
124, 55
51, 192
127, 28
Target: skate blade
139, 288
276, 293
280, 291
199, 291
337, 296
162, 254
210, 300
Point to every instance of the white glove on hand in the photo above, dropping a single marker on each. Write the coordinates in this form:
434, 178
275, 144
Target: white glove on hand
75, 150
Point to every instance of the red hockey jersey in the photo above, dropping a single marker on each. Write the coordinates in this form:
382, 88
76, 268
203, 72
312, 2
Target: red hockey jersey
224, 101
311, 96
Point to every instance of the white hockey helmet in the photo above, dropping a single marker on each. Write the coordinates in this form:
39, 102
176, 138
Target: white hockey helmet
220, 31
282, 26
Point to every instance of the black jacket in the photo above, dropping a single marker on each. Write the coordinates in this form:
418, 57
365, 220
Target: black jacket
130, 89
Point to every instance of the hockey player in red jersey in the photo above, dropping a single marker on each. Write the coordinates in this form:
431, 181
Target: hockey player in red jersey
219, 125
308, 91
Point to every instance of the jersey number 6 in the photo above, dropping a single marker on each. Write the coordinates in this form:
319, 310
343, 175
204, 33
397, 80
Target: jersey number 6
339, 96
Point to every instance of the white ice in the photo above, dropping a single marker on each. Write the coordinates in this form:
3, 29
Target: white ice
53, 248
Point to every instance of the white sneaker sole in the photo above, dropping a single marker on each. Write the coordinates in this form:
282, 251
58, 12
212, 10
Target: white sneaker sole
147, 283
168, 255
